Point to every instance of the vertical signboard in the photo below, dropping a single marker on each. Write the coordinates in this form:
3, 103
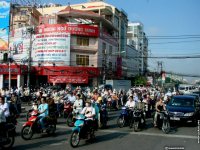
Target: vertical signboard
119, 67
52, 48
20, 44
4, 24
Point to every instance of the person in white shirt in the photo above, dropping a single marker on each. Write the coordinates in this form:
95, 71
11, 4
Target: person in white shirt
131, 103
78, 104
72, 98
88, 111
4, 107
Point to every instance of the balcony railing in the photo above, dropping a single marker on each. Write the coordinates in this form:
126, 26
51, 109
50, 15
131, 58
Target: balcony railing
23, 18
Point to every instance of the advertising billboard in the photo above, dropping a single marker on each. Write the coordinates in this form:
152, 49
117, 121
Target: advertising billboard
51, 48
73, 29
4, 25
20, 44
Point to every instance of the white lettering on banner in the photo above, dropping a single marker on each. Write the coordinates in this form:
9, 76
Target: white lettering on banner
52, 48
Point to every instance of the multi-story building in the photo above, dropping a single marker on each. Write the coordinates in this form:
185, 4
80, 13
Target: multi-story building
77, 44
136, 33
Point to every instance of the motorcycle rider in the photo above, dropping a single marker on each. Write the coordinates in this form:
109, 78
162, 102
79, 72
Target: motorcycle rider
43, 110
89, 113
4, 108
160, 106
78, 104
131, 104
2, 116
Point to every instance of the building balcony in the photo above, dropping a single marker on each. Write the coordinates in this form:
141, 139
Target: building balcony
86, 49
22, 18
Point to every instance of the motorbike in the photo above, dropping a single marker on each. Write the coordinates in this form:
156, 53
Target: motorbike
163, 122
33, 126
103, 116
123, 119
67, 109
28, 114
137, 120
7, 135
71, 118
82, 130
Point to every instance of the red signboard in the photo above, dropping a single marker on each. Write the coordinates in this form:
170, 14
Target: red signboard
68, 79
4, 69
119, 67
66, 71
74, 29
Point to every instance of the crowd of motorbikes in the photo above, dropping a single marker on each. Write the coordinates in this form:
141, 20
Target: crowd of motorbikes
133, 117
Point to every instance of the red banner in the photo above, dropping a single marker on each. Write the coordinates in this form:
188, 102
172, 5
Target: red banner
4, 69
68, 79
67, 71
119, 67
74, 29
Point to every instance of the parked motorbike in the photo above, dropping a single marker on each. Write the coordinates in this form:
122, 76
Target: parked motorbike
123, 119
82, 130
137, 120
103, 116
7, 135
163, 122
33, 126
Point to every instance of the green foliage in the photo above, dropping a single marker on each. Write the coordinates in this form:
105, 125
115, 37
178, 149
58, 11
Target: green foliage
139, 80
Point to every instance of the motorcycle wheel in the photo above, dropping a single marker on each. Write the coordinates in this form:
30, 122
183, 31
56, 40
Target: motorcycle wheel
166, 127
74, 139
136, 126
51, 129
70, 122
121, 122
11, 141
92, 135
26, 133
131, 123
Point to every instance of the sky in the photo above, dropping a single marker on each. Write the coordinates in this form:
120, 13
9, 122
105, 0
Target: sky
168, 24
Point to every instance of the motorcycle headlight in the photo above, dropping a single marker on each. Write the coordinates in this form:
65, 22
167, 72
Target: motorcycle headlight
189, 114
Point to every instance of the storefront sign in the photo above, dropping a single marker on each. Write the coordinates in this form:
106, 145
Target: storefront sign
52, 48
5, 70
68, 79
4, 24
74, 29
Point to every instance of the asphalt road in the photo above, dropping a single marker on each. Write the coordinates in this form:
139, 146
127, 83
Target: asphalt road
180, 137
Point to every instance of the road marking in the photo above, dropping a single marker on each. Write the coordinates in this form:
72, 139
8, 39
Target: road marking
136, 133
152, 134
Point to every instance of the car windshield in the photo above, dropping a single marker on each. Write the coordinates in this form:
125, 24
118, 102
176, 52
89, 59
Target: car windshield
183, 102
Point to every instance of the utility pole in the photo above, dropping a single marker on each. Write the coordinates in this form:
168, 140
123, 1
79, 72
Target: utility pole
31, 31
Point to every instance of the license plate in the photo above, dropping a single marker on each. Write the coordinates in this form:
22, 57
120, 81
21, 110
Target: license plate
174, 118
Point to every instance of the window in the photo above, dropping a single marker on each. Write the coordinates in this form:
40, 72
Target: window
82, 60
82, 41
23, 12
104, 48
110, 50
52, 21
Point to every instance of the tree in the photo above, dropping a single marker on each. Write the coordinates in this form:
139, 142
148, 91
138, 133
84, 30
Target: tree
139, 80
